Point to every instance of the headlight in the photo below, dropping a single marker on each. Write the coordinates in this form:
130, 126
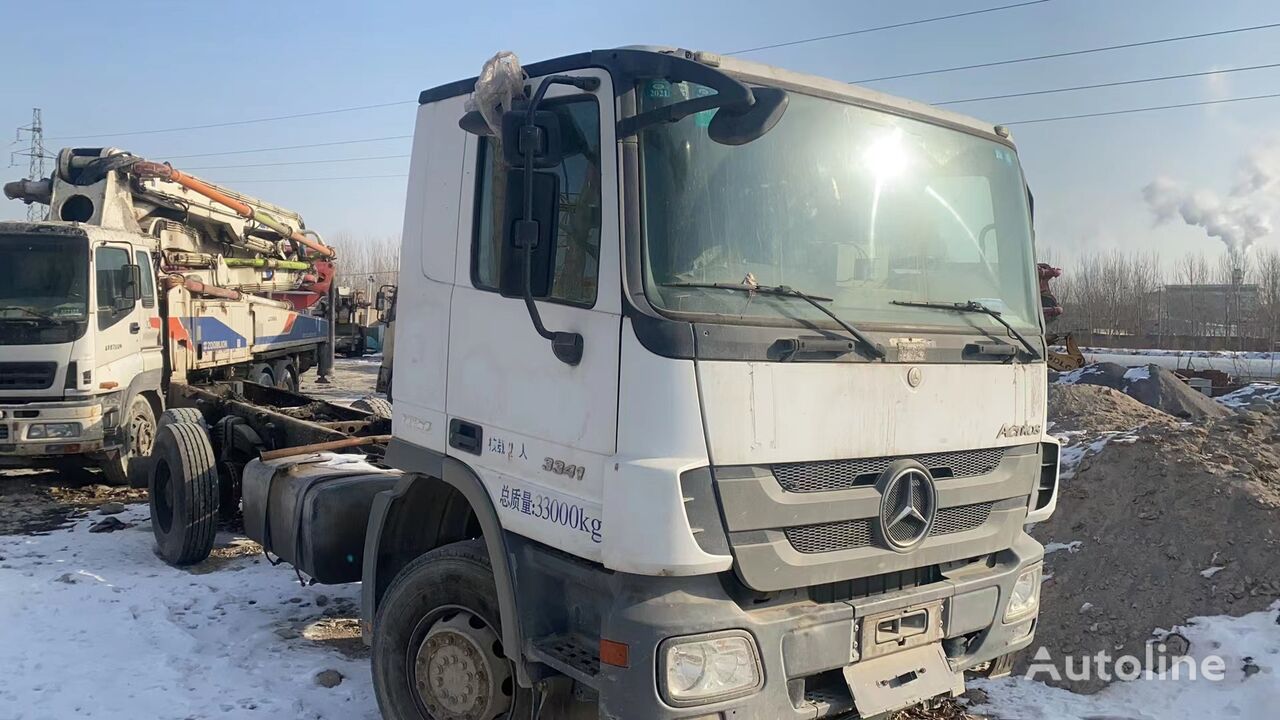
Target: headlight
1025, 597
49, 431
702, 669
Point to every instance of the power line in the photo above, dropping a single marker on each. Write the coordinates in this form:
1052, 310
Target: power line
908, 23
300, 162
1141, 109
231, 123
308, 179
284, 147
1070, 53
1109, 84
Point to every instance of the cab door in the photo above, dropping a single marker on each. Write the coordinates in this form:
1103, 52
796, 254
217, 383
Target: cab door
120, 319
539, 431
150, 339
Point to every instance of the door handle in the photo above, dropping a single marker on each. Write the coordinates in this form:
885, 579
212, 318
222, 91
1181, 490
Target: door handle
465, 436
135, 328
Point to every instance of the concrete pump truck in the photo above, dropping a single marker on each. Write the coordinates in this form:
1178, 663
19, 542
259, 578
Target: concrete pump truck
719, 394
143, 277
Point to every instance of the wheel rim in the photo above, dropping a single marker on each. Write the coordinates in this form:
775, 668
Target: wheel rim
162, 494
456, 667
142, 435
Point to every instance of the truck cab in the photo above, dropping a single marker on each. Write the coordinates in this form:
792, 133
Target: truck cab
80, 339
721, 393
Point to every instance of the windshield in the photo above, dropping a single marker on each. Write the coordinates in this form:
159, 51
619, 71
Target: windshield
43, 278
856, 205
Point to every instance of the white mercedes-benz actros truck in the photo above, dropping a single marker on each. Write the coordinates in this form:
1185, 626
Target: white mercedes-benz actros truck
720, 394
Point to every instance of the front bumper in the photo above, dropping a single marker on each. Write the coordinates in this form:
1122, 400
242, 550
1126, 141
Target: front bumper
16, 445
804, 646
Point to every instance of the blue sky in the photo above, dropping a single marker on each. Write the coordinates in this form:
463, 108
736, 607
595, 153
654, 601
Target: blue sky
105, 68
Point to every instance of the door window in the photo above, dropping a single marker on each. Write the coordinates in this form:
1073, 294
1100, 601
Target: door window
577, 260
148, 279
111, 272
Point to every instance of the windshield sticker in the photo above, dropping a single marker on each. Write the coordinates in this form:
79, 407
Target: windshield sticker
658, 89
703, 119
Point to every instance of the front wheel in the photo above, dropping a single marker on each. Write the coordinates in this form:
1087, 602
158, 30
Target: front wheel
437, 642
129, 466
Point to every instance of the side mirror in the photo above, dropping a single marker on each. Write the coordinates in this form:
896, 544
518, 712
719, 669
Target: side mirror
541, 230
543, 136
740, 124
130, 289
380, 303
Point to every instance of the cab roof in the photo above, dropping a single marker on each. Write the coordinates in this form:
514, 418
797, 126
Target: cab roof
748, 71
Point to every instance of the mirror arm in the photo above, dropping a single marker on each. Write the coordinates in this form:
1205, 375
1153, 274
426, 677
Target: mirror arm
566, 346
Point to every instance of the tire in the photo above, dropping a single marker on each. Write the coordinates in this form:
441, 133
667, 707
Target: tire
1001, 666
180, 415
286, 377
184, 494
439, 587
261, 374
374, 406
130, 467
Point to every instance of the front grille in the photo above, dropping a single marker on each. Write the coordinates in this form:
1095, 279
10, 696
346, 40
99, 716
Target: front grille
841, 474
843, 535
853, 534
961, 518
865, 587
4, 432
27, 375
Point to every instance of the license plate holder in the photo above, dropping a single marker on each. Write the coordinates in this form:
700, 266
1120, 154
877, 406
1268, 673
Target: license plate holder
900, 680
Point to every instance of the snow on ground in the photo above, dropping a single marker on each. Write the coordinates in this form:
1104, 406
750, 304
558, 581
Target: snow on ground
1250, 394
96, 626
1073, 452
1249, 647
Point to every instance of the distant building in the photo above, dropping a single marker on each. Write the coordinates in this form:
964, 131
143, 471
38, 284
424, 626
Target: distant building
1209, 310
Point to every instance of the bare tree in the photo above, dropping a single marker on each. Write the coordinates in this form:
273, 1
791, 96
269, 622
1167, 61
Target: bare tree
365, 258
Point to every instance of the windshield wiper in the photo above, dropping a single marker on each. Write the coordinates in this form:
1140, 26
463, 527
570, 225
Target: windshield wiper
973, 306
33, 313
784, 291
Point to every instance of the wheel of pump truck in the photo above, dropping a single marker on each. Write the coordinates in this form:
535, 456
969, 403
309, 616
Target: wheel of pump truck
184, 493
373, 406
437, 648
139, 428
261, 374
177, 415
286, 377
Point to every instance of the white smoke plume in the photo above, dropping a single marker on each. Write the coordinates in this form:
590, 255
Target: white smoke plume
1239, 220
1259, 170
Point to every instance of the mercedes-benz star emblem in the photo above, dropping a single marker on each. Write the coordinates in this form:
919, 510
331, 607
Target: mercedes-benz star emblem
908, 504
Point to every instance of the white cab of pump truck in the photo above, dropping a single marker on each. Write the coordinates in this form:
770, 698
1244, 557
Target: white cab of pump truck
720, 392
134, 282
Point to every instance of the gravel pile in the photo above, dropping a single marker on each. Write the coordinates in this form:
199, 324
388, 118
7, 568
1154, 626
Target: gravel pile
1152, 385
1157, 524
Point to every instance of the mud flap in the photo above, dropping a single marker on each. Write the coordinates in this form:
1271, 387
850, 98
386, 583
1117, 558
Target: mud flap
900, 680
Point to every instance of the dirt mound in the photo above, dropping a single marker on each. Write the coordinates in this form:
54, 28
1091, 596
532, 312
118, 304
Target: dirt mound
1094, 409
1159, 526
1152, 385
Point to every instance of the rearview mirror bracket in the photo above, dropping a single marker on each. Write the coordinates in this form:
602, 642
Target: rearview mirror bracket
536, 148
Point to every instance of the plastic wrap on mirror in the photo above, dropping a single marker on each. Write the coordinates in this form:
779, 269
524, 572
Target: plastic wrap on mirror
501, 81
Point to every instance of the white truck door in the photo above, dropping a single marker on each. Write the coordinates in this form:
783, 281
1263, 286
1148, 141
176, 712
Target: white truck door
537, 430
119, 320
149, 340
